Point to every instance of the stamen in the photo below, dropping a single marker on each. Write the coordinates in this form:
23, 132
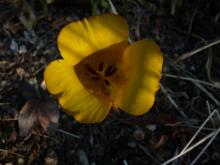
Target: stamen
110, 70
101, 66
90, 69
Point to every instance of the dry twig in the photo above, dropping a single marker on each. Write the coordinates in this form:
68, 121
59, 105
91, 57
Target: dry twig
188, 148
214, 85
191, 53
10, 152
172, 101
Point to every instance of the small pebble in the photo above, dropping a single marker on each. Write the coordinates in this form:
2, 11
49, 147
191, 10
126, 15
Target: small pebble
139, 134
20, 161
22, 49
9, 163
51, 159
132, 144
14, 46
151, 127
83, 159
43, 85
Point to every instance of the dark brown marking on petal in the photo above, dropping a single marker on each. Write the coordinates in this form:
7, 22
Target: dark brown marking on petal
110, 70
101, 66
107, 82
90, 69
94, 78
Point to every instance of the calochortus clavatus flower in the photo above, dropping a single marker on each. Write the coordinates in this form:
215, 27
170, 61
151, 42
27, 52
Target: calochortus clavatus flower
100, 69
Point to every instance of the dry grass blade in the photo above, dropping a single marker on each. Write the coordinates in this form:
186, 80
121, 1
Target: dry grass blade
198, 83
3, 104
209, 111
199, 130
148, 153
113, 9
210, 95
125, 162
206, 146
68, 133
192, 80
176, 153
10, 152
172, 101
28, 18
192, 147
188, 148
191, 53
208, 64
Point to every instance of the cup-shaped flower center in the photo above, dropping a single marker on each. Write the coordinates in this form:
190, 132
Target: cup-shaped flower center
102, 72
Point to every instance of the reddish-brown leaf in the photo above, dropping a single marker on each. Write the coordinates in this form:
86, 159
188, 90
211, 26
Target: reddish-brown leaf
28, 117
38, 113
48, 115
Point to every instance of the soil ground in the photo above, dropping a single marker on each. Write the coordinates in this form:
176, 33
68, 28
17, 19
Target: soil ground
190, 88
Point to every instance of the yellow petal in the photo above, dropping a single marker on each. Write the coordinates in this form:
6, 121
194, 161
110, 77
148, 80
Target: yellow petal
58, 75
84, 106
76, 101
145, 60
82, 38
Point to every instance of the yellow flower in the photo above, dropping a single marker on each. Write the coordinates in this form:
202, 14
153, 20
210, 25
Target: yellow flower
100, 69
